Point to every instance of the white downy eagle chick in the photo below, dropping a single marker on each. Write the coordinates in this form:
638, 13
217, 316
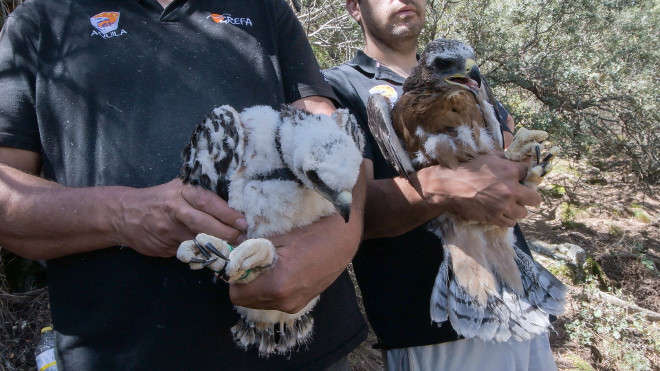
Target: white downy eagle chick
283, 169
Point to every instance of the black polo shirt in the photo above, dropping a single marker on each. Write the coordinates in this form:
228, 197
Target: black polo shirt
395, 275
109, 93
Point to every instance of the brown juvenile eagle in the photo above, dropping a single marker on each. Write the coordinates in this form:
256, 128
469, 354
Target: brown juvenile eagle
486, 286
284, 170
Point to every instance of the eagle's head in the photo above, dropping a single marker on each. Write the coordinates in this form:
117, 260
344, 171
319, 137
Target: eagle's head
449, 63
324, 157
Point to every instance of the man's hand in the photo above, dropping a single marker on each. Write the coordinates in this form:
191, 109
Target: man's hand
308, 261
154, 221
486, 189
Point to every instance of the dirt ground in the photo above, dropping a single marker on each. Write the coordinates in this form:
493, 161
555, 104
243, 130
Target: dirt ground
605, 219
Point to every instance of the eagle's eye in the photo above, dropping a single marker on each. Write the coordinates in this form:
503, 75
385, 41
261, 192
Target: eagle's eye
442, 64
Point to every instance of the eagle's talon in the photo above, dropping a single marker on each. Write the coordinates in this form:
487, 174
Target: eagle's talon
202, 249
196, 260
199, 252
215, 251
546, 160
537, 149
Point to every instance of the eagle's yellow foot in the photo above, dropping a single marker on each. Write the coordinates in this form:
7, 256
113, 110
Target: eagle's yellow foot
204, 251
248, 259
525, 143
529, 144
536, 173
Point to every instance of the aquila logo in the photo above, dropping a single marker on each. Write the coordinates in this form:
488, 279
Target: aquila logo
227, 18
106, 24
386, 91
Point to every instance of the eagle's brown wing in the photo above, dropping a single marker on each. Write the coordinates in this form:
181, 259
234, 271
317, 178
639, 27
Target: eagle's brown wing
380, 124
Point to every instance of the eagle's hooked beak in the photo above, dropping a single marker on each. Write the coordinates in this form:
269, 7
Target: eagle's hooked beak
473, 71
469, 78
342, 203
341, 200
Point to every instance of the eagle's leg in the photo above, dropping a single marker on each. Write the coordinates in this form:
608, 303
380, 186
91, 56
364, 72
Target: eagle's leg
204, 251
525, 143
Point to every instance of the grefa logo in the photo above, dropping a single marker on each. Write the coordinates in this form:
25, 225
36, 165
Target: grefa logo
227, 18
106, 24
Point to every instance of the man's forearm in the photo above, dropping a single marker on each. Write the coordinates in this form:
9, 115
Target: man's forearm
394, 207
43, 220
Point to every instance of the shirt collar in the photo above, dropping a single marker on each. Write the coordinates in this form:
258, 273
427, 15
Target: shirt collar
375, 69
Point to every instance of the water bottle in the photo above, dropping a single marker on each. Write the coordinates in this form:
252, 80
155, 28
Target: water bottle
45, 351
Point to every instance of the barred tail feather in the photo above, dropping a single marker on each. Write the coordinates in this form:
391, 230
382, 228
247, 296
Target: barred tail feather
543, 290
527, 321
465, 313
440, 294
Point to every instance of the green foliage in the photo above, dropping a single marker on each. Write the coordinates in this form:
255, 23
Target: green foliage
615, 231
593, 273
567, 212
626, 339
640, 214
580, 364
583, 70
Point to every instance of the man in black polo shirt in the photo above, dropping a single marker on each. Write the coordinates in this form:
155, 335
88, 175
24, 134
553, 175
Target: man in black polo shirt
100, 97
398, 260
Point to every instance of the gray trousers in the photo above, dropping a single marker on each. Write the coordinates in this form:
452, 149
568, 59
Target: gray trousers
474, 355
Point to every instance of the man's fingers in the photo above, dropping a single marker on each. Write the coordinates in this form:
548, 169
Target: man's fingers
505, 221
200, 222
528, 196
211, 204
523, 168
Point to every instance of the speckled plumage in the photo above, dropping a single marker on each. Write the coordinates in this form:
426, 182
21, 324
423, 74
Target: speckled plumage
284, 170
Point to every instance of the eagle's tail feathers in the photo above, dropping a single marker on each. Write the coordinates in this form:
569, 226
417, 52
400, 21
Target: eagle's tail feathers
526, 320
273, 332
543, 290
465, 312
440, 294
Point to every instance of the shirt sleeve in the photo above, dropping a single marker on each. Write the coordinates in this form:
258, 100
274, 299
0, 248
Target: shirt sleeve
350, 99
18, 66
301, 74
